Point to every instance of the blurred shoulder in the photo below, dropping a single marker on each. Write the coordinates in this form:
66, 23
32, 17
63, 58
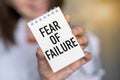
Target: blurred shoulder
94, 43
92, 36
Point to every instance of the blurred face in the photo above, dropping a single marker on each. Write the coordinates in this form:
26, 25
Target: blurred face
30, 9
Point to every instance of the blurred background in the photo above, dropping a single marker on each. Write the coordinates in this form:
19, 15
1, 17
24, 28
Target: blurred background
103, 18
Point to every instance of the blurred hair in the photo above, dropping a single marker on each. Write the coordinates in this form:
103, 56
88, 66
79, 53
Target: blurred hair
9, 18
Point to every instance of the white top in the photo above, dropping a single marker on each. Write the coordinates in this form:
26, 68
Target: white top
19, 61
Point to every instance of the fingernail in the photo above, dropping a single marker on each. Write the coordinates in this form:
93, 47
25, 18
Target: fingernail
75, 31
80, 40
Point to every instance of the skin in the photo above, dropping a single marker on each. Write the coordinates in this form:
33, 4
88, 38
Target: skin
30, 9
44, 69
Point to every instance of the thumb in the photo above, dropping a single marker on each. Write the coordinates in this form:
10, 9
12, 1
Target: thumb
43, 66
40, 54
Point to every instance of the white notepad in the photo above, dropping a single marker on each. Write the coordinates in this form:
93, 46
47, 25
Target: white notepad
56, 40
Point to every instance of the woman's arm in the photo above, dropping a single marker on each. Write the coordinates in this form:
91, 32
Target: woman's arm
44, 69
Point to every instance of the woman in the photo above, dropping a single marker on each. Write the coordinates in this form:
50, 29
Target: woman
18, 46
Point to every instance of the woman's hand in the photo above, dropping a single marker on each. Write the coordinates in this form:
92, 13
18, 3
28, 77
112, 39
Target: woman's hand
44, 69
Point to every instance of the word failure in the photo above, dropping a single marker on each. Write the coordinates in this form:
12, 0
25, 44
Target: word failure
60, 47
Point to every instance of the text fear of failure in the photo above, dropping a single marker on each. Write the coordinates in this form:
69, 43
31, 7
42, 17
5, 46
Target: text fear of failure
61, 48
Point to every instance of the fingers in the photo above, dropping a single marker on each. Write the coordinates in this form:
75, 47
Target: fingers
83, 41
40, 54
67, 17
77, 31
43, 66
88, 56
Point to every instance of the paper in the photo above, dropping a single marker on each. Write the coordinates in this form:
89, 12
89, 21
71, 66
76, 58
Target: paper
56, 40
